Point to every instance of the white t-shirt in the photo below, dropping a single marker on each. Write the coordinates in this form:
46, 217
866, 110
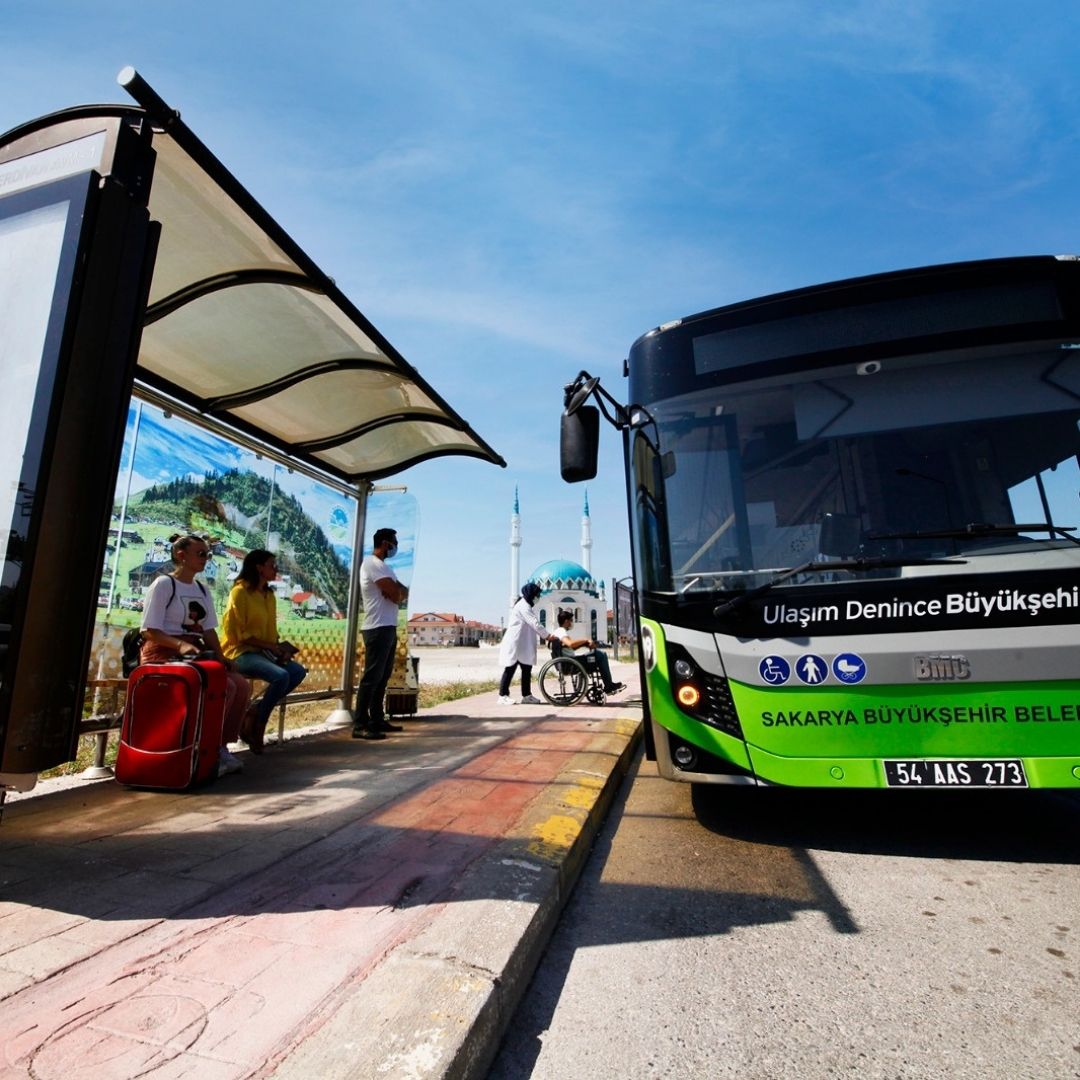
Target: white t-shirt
379, 610
187, 611
564, 636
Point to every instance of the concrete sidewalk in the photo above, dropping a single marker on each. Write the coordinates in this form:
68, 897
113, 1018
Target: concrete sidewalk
339, 909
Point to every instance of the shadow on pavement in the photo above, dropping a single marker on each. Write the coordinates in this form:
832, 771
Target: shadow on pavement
679, 862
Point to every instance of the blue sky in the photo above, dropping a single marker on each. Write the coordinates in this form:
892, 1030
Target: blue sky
514, 193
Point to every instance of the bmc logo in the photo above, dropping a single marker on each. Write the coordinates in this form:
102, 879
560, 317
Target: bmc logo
941, 668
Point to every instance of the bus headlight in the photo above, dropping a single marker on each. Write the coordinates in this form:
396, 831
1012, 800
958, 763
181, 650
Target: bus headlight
701, 694
688, 695
687, 680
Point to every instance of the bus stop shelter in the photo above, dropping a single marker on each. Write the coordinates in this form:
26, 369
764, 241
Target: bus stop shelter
133, 261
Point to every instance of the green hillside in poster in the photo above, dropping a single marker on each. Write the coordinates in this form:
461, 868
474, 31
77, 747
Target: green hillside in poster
243, 509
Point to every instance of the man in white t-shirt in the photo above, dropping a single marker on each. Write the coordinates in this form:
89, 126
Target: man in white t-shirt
585, 647
382, 594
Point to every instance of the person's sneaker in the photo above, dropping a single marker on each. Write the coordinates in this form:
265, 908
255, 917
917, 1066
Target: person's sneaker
505, 699
228, 762
367, 733
615, 688
528, 699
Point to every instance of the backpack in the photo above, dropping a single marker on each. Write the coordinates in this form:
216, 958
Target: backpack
129, 650
132, 641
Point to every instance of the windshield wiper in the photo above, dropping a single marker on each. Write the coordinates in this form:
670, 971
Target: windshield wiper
870, 562
979, 528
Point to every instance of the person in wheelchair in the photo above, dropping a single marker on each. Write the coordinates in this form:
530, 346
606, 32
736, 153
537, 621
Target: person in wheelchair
568, 646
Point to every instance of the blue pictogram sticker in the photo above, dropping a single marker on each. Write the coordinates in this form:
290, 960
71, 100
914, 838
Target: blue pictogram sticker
811, 669
849, 668
774, 670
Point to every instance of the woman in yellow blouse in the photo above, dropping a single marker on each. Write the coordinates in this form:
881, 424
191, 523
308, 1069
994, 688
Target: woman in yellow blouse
249, 638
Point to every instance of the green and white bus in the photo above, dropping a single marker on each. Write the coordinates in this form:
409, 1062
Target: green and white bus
855, 522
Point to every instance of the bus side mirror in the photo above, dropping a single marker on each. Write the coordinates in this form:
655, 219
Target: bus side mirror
579, 443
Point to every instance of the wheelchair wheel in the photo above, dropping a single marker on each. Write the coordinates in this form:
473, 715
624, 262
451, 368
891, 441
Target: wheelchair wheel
596, 693
563, 681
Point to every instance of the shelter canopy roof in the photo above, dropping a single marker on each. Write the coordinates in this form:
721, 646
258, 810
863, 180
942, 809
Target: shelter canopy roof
241, 326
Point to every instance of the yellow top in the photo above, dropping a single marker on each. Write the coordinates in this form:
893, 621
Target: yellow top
250, 613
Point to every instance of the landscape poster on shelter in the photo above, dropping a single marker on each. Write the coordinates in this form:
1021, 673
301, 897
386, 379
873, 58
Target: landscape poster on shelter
175, 477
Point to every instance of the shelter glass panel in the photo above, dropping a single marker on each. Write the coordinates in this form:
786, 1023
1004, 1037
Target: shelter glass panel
177, 478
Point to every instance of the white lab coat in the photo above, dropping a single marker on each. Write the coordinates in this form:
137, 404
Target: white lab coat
518, 645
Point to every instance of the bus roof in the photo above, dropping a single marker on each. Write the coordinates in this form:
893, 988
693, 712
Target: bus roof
894, 284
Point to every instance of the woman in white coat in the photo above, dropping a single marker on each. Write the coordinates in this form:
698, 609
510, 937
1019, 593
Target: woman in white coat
518, 647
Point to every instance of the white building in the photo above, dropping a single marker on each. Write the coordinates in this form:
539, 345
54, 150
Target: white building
566, 585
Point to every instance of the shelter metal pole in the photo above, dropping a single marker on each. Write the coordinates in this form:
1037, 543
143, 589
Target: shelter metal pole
352, 619
123, 508
270, 504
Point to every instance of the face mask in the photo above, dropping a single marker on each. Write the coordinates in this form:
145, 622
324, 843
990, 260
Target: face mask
391, 551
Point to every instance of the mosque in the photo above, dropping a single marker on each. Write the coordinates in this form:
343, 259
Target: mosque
566, 585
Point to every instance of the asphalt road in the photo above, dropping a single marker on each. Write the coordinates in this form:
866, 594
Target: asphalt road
728, 932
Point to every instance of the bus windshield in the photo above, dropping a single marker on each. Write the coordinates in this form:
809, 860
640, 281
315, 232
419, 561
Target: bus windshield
920, 457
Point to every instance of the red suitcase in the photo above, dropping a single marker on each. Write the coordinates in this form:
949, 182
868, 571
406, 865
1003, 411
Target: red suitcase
172, 725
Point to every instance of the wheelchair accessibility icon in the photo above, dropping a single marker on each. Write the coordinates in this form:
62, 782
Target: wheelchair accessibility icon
774, 670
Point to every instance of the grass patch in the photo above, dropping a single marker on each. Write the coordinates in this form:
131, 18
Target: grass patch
302, 714
440, 693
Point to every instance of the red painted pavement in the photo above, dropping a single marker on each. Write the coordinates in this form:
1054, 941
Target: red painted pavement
216, 994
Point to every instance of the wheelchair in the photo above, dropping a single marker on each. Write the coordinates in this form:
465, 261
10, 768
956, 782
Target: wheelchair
566, 679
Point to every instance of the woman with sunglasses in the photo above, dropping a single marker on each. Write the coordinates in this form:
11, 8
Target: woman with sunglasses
179, 620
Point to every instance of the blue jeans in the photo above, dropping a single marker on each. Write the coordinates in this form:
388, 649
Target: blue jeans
380, 645
282, 680
602, 663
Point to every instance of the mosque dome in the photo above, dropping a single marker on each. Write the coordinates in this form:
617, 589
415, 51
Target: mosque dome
562, 575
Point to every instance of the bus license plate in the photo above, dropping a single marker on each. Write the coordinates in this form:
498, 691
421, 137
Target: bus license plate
1001, 773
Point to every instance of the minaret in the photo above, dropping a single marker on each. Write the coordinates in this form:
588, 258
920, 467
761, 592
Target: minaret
586, 537
515, 550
